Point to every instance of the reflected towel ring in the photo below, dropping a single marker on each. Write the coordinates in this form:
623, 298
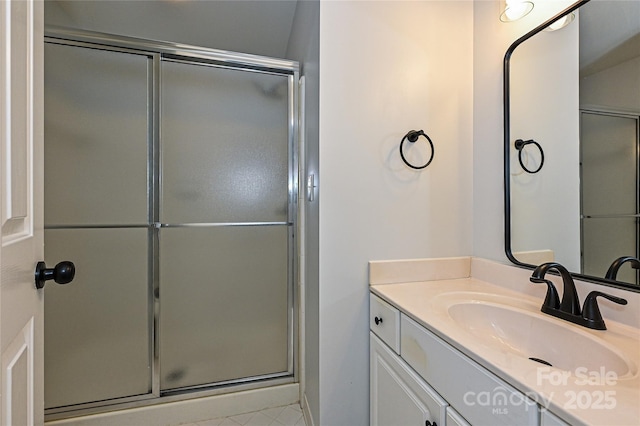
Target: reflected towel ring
413, 136
520, 144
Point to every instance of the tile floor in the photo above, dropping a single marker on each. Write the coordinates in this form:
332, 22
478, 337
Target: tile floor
288, 415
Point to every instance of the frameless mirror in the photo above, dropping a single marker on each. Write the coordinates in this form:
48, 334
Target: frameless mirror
571, 143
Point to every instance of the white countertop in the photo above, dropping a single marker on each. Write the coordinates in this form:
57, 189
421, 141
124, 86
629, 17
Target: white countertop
611, 400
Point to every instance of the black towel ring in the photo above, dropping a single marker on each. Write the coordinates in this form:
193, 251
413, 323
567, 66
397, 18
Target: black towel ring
413, 136
520, 144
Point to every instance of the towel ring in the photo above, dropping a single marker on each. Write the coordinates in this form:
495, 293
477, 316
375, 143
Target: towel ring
413, 136
520, 144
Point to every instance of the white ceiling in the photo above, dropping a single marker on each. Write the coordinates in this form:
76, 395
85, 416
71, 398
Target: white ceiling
609, 34
260, 27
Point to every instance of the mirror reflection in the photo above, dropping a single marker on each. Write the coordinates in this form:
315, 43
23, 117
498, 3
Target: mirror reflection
574, 113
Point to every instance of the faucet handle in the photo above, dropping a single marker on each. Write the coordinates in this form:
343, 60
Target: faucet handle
591, 312
551, 301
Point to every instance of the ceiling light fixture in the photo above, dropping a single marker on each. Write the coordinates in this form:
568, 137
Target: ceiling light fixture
561, 23
512, 10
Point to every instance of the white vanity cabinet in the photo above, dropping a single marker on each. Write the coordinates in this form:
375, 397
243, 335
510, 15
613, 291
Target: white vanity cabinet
463, 328
398, 395
425, 381
475, 393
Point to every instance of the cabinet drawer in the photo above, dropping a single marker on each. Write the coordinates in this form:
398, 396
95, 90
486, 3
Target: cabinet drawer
384, 321
479, 396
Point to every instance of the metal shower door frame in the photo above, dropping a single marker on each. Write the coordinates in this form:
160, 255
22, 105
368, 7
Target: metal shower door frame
156, 52
635, 116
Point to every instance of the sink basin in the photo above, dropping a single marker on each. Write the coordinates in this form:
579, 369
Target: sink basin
535, 336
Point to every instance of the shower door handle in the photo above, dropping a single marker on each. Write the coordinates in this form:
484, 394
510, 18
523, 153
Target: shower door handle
62, 273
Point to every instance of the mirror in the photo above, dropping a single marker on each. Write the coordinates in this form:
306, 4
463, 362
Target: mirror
571, 143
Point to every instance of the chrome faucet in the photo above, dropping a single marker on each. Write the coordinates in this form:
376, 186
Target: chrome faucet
569, 308
612, 272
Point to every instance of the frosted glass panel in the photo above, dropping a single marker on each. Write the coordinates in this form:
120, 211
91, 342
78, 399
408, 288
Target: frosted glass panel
97, 327
224, 303
608, 164
224, 145
606, 239
95, 136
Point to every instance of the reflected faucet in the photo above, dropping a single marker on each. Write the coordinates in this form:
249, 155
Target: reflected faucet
569, 308
612, 272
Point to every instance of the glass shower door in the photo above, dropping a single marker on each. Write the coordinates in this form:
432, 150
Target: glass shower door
97, 328
169, 184
609, 180
225, 234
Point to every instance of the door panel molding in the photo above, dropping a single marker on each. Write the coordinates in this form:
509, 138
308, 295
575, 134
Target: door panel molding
17, 142
18, 378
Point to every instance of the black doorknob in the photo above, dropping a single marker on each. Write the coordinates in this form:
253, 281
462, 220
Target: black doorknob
63, 273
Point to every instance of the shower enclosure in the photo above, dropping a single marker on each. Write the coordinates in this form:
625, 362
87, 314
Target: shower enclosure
610, 184
170, 182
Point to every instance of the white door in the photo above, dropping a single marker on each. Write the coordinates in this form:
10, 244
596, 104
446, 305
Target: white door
21, 205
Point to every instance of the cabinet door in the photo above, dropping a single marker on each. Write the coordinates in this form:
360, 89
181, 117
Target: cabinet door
398, 396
